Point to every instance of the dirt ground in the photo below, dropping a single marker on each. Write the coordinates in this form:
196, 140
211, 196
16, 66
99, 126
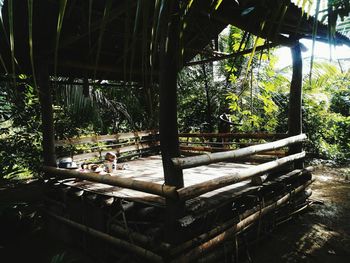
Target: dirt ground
321, 233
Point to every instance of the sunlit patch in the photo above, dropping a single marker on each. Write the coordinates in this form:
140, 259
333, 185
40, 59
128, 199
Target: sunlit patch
324, 178
316, 239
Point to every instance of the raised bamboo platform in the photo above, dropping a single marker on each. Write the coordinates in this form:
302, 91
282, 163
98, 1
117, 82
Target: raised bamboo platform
226, 193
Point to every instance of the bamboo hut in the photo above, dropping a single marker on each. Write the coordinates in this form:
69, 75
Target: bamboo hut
172, 205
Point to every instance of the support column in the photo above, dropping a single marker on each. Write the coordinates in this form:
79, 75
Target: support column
168, 127
295, 101
45, 98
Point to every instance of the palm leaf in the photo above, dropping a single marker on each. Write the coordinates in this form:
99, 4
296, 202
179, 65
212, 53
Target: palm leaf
12, 39
314, 33
253, 51
100, 38
134, 34
89, 21
30, 30
61, 12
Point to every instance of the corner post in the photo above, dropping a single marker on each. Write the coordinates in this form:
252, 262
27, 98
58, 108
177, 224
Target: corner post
45, 98
295, 101
169, 61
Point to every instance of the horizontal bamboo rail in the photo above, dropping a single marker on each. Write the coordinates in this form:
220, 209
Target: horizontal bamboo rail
147, 187
144, 241
106, 138
220, 149
196, 241
238, 176
193, 161
144, 253
235, 135
218, 235
118, 150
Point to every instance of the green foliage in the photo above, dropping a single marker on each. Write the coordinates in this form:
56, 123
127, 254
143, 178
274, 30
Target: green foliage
250, 102
201, 100
325, 112
328, 132
340, 102
20, 137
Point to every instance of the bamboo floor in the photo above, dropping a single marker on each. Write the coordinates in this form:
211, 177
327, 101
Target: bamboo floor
150, 169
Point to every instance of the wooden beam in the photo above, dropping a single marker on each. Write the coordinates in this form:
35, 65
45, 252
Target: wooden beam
193, 161
169, 60
45, 99
168, 127
295, 101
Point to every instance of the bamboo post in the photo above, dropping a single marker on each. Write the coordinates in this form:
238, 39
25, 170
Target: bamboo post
193, 161
169, 60
295, 101
45, 99
166, 191
207, 186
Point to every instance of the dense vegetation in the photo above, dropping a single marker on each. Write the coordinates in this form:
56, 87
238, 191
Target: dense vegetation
248, 89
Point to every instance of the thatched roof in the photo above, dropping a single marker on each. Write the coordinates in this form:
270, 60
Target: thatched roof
113, 42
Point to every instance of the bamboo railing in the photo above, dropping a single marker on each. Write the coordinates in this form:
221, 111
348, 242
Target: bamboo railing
238, 176
195, 190
217, 236
193, 161
143, 186
200, 244
120, 143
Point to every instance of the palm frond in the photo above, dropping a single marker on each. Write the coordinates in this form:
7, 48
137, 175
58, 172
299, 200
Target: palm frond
12, 39
61, 12
102, 29
30, 30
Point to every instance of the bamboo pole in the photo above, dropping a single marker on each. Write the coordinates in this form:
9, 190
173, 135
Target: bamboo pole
139, 238
193, 161
218, 235
199, 211
144, 253
238, 176
147, 187
236, 135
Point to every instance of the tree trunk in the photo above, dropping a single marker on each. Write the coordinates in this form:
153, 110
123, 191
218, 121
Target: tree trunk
295, 101
207, 95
